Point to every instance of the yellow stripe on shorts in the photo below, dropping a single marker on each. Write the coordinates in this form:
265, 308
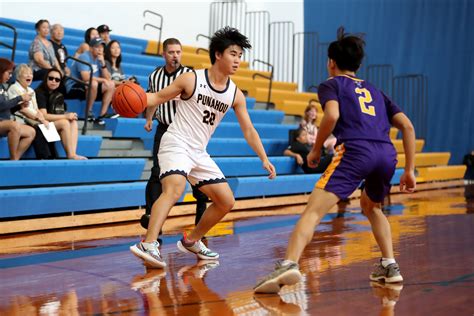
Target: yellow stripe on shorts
321, 184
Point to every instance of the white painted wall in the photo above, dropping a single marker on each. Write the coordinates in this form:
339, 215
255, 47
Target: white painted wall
182, 19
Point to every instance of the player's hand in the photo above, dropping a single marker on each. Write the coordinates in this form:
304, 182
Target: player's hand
148, 125
313, 158
267, 165
299, 159
408, 182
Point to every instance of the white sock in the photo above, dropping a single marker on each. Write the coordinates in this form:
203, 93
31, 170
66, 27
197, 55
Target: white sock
287, 262
386, 261
148, 245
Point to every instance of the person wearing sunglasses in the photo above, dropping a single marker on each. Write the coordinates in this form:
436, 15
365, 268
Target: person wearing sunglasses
51, 104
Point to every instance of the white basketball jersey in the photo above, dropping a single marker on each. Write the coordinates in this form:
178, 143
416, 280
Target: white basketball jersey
197, 117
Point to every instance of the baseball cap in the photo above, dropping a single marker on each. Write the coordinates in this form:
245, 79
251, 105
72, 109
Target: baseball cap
103, 28
96, 41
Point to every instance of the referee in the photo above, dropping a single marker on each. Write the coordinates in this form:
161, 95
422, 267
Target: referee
160, 78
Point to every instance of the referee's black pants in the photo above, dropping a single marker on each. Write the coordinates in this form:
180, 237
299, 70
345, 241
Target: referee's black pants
153, 187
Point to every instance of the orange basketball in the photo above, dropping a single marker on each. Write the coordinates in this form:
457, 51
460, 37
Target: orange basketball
129, 99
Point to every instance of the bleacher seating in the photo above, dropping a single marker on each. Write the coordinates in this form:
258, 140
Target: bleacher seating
57, 172
97, 184
87, 145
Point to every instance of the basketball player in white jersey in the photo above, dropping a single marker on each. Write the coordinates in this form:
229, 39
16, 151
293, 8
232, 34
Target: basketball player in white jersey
205, 97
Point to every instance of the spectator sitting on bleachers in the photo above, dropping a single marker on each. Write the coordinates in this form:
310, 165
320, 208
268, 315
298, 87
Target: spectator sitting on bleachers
102, 85
41, 53
51, 104
30, 114
88, 35
104, 33
308, 123
113, 60
20, 136
56, 38
299, 149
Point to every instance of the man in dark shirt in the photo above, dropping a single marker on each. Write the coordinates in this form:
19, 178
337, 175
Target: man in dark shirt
57, 35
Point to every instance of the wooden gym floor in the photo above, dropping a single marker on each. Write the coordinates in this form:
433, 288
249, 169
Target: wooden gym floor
91, 272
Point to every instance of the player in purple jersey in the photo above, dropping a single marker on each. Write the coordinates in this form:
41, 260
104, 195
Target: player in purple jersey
360, 117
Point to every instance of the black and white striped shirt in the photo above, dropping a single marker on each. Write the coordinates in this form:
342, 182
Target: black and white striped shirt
158, 80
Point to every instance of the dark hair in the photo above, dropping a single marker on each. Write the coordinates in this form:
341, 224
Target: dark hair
38, 24
87, 34
108, 55
298, 132
6, 65
224, 38
44, 83
347, 51
170, 41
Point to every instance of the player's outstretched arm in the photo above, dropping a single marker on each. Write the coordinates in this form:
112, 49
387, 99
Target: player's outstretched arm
331, 115
183, 85
250, 133
403, 123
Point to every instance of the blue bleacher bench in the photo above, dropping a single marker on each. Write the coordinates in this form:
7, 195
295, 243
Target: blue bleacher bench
252, 166
87, 145
54, 172
236, 147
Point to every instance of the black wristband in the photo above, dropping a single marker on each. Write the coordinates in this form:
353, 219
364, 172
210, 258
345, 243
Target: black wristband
104, 66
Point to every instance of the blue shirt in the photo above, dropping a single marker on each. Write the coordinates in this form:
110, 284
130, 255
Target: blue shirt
364, 111
76, 68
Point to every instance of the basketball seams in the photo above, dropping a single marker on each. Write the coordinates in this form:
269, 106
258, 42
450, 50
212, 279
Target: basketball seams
129, 100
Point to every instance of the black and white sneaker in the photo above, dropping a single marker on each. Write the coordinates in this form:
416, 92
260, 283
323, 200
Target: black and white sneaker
198, 248
110, 115
90, 116
99, 121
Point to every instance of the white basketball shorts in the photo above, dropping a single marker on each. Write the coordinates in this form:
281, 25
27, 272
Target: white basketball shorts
176, 157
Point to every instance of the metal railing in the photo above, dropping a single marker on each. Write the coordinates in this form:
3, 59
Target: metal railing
15, 36
270, 78
321, 62
305, 45
159, 28
279, 52
381, 76
87, 85
198, 50
256, 29
201, 50
226, 13
410, 93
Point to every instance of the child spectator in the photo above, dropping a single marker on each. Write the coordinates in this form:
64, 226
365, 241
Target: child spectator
299, 149
20, 136
308, 123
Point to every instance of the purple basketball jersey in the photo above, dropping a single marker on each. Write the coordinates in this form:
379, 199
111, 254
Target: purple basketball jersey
365, 112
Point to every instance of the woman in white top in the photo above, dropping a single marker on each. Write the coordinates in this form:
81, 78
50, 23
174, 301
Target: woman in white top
31, 114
